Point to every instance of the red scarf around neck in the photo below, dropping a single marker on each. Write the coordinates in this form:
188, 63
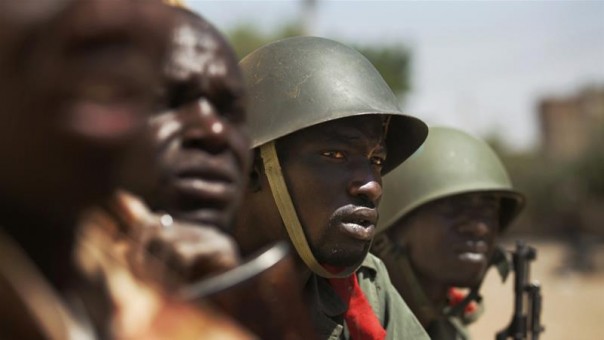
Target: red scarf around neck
362, 322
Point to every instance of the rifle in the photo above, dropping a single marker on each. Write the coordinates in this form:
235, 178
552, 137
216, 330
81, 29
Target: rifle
526, 320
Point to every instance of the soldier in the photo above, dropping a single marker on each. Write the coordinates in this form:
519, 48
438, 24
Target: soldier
441, 214
325, 127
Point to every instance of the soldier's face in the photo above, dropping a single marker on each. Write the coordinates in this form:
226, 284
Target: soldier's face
451, 240
200, 137
333, 173
75, 85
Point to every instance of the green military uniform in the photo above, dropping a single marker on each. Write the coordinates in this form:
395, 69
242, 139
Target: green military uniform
452, 323
446, 322
454, 326
328, 309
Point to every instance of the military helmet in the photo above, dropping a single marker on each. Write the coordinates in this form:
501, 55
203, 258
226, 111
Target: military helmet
303, 81
451, 162
300, 82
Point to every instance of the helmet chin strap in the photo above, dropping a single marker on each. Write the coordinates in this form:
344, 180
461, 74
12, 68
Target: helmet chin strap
289, 216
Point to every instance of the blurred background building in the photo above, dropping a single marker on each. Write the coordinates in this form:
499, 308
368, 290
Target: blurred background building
569, 124
528, 76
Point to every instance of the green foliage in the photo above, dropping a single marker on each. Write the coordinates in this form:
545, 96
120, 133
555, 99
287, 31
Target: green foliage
556, 190
590, 167
245, 38
393, 62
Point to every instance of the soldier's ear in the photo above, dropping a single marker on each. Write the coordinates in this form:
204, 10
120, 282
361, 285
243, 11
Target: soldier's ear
256, 172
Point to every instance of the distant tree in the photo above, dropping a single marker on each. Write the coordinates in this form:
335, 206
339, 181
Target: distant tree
558, 190
245, 38
394, 63
590, 166
538, 179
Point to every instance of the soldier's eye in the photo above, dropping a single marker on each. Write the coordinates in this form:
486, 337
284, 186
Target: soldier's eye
379, 161
180, 93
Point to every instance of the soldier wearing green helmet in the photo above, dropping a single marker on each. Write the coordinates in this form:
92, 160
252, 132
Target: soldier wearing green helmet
441, 213
325, 127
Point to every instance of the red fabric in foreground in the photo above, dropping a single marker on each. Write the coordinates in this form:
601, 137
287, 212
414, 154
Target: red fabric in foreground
362, 323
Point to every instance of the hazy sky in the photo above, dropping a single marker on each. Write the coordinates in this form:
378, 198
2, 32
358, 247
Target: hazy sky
479, 66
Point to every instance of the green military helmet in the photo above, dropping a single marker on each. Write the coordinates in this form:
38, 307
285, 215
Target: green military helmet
299, 82
451, 162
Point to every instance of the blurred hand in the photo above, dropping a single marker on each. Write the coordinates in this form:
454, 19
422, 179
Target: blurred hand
182, 253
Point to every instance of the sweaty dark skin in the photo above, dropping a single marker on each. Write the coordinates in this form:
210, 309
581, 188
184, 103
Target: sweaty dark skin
200, 136
201, 148
333, 173
449, 243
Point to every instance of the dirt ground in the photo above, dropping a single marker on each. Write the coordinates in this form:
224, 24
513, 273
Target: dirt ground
573, 304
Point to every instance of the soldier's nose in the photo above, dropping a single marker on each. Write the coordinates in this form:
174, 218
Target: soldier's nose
203, 128
475, 227
370, 191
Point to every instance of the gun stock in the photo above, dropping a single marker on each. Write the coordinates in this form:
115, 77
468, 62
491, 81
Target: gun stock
536, 305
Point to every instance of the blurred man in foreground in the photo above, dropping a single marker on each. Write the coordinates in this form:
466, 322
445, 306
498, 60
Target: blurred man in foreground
77, 79
175, 235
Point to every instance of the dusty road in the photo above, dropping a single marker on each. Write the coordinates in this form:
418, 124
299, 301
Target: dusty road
573, 303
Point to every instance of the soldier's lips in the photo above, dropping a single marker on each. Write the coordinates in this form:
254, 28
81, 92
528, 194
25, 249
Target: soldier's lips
472, 251
357, 222
472, 257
